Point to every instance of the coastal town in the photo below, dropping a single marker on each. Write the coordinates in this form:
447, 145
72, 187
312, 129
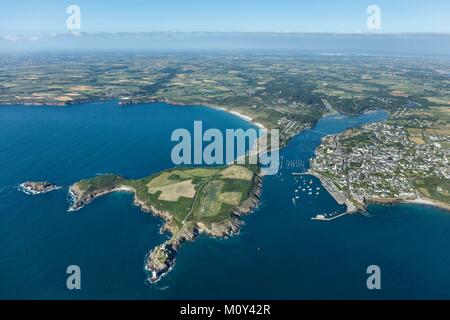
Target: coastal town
403, 159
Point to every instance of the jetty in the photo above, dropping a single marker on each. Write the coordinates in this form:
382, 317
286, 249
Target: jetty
321, 217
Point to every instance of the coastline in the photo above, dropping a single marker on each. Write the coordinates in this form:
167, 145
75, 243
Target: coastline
155, 266
53, 104
123, 102
29, 191
219, 108
430, 202
247, 118
341, 199
161, 259
420, 200
337, 195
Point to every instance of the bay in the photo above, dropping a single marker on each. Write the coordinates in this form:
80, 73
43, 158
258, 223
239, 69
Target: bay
280, 253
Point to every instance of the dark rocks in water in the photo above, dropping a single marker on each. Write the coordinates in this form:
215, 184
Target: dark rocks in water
35, 188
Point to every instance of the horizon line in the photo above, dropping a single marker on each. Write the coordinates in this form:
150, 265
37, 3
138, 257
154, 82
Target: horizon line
364, 33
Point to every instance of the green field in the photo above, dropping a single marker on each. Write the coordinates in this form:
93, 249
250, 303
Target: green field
205, 195
434, 188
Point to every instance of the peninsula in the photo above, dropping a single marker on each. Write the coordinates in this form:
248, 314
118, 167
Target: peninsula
191, 201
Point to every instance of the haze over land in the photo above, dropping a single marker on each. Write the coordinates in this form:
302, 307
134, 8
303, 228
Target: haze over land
317, 43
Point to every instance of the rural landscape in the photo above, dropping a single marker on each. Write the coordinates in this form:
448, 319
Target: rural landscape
283, 91
219, 151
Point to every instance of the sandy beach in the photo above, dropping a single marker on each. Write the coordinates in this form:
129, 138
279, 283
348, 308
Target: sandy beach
240, 115
429, 202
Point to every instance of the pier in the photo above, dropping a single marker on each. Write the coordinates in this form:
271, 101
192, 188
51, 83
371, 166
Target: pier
324, 218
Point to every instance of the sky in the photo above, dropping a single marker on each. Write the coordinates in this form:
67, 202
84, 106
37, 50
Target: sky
323, 16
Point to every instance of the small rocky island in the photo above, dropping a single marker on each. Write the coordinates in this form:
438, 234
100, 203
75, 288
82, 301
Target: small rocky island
191, 201
34, 188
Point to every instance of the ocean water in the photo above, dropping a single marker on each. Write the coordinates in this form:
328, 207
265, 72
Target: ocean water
280, 253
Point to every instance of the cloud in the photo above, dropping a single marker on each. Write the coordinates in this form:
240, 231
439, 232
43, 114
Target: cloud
10, 38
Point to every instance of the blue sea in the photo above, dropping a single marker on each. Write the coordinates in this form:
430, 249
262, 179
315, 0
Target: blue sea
279, 254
